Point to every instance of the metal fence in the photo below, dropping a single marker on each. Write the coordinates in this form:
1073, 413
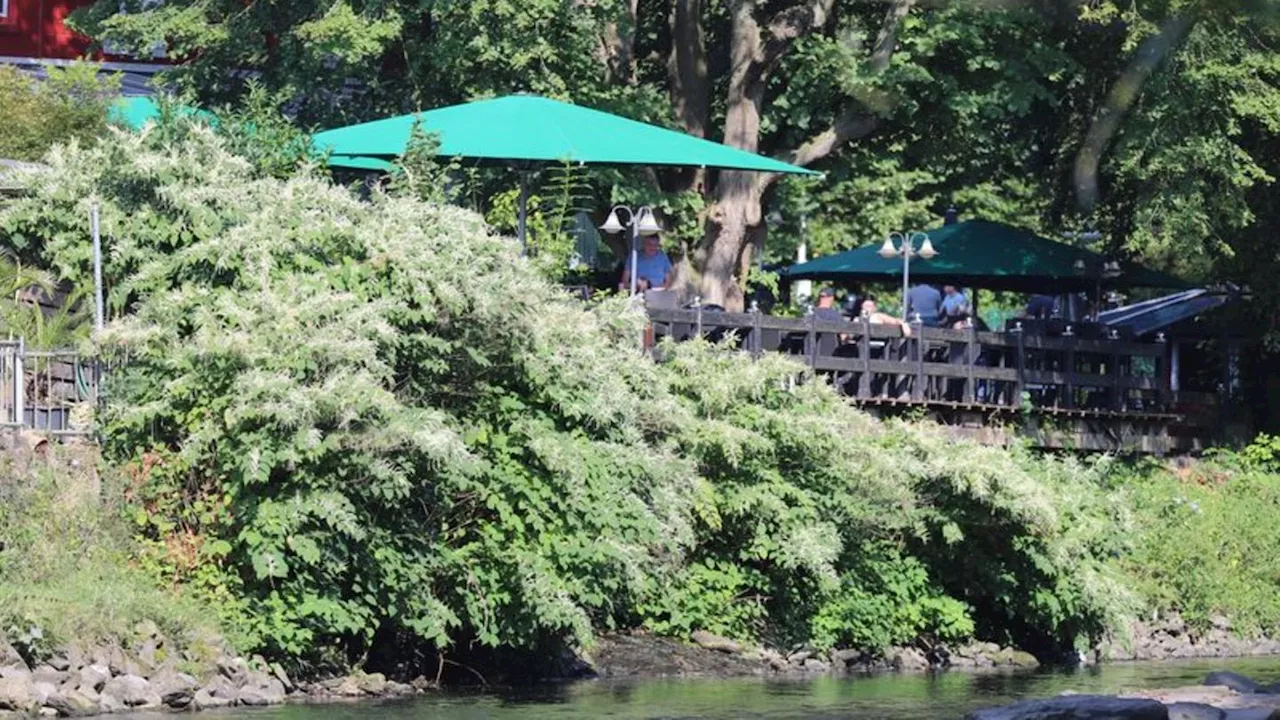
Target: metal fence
50, 391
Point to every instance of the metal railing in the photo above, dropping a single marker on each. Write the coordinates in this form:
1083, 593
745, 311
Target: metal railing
50, 391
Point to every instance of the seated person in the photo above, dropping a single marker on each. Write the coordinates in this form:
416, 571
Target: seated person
872, 312
1040, 307
826, 308
955, 307
653, 267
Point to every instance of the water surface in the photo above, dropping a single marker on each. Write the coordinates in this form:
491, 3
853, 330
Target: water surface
880, 697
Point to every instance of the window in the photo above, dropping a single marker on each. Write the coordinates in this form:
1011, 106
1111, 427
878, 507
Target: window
4, 9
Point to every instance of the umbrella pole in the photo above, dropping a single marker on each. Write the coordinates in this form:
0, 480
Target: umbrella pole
635, 233
522, 214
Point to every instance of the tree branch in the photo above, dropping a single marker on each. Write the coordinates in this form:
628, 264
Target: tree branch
790, 24
1122, 97
857, 122
687, 67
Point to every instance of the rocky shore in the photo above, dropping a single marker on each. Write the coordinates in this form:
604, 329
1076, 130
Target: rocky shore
1222, 696
109, 679
709, 655
1171, 638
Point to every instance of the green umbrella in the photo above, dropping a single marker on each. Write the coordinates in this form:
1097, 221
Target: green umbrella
136, 111
532, 130
990, 255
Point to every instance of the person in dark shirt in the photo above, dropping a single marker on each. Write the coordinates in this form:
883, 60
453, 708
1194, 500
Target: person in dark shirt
826, 309
926, 301
1040, 307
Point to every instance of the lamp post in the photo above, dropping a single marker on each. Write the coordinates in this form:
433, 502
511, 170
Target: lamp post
905, 250
641, 221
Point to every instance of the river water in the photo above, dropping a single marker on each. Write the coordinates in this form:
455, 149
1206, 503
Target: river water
881, 697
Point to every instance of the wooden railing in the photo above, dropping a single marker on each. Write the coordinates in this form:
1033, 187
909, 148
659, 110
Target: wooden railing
876, 363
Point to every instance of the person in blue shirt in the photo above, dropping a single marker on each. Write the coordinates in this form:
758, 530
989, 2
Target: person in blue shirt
925, 300
955, 306
653, 267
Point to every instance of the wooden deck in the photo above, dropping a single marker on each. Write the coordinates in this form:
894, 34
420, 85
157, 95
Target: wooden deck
1065, 391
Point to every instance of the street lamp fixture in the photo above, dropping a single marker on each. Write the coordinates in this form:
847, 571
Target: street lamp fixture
906, 250
641, 221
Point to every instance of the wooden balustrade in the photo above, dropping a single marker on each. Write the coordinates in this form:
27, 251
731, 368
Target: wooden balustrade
961, 368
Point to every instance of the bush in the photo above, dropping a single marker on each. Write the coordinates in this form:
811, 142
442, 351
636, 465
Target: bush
369, 428
71, 103
65, 561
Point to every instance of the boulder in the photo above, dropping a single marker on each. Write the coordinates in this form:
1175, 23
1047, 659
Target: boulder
109, 703
257, 695
17, 693
42, 691
347, 687
223, 688
278, 671
908, 659
847, 656
15, 673
49, 674
1235, 681
1252, 713
132, 690
1194, 711
94, 676
711, 641
398, 688
814, 665
10, 657
234, 669
176, 690
73, 703
59, 663
204, 700
372, 683
1077, 707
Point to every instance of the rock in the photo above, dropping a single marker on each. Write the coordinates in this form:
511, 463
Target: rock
94, 676
147, 654
1077, 707
1252, 713
347, 687
109, 703
176, 690
1021, 659
234, 669
398, 688
221, 687
773, 659
204, 700
48, 712
1235, 681
278, 671
908, 659
146, 629
814, 665
132, 690
42, 691
17, 693
372, 684
1194, 711
73, 703
711, 641
845, 657
15, 673
10, 657
257, 695
49, 674
60, 663
799, 656
422, 684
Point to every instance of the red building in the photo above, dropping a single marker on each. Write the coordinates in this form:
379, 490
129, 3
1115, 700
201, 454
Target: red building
33, 33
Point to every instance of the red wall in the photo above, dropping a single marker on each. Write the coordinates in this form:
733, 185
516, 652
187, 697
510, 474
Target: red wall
35, 29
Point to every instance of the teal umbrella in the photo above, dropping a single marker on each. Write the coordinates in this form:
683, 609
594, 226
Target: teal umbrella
134, 112
531, 130
991, 255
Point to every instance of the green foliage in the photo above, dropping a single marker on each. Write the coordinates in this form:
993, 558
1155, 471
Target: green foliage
1205, 545
72, 102
65, 560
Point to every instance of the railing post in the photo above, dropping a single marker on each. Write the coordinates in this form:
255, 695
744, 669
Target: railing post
697, 307
970, 359
1020, 359
1117, 393
1069, 369
755, 343
864, 349
918, 392
811, 340
19, 383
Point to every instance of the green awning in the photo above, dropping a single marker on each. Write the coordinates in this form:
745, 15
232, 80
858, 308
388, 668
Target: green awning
532, 129
989, 255
136, 111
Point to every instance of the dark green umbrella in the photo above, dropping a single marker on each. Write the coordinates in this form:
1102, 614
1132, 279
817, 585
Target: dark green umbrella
527, 130
990, 255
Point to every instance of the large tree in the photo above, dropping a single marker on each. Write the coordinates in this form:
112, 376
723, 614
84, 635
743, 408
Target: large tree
1032, 111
